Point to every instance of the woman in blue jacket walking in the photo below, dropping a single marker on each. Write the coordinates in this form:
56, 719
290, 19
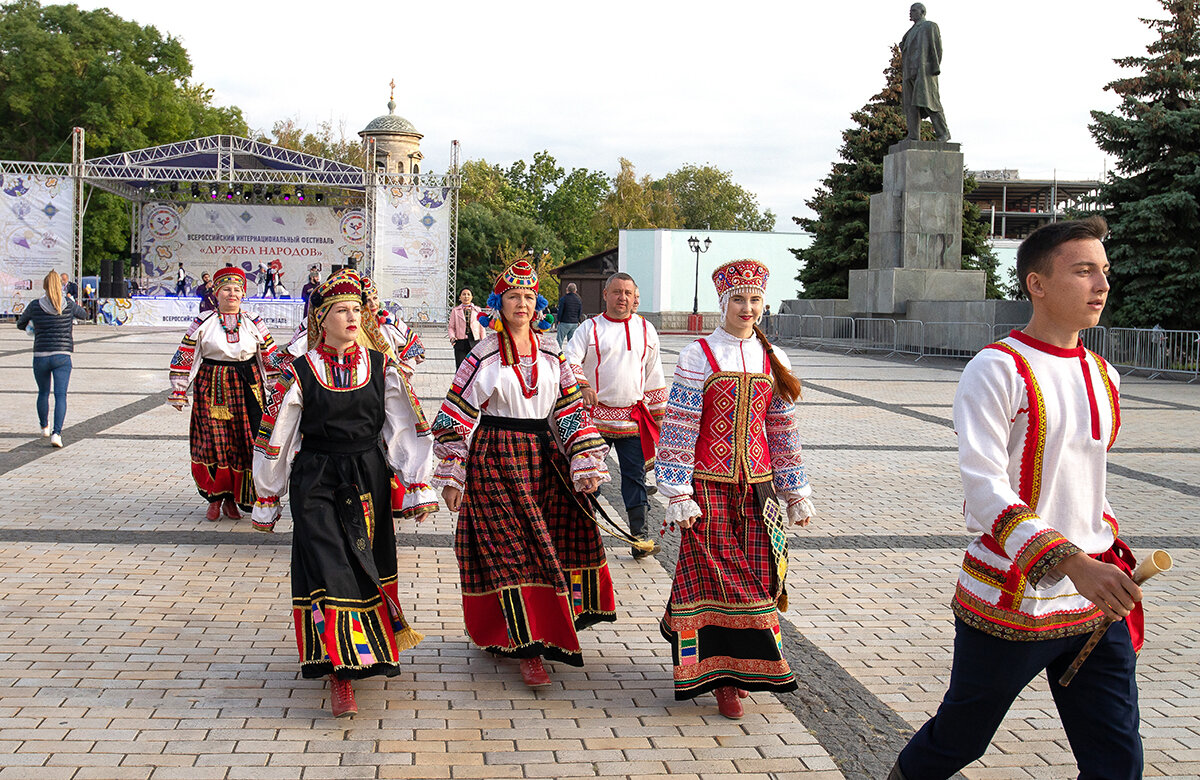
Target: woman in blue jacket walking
53, 318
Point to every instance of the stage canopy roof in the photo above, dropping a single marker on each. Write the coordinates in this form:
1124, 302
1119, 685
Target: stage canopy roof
215, 159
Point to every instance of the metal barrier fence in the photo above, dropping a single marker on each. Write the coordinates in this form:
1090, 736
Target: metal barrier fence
1154, 350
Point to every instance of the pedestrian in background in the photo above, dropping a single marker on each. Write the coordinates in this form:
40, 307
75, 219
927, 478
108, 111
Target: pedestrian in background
53, 318
180, 282
464, 327
569, 314
69, 288
208, 300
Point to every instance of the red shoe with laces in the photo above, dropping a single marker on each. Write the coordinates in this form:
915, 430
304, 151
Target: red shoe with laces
533, 673
214, 511
729, 703
341, 697
231, 510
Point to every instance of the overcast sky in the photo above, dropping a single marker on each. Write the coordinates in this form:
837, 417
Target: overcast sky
762, 89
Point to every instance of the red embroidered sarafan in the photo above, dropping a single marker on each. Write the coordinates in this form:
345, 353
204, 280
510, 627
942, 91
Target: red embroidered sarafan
732, 443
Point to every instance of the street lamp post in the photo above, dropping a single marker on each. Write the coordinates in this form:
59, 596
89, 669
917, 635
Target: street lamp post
694, 245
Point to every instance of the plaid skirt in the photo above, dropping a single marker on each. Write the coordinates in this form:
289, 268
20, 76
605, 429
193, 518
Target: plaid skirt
226, 411
529, 554
722, 621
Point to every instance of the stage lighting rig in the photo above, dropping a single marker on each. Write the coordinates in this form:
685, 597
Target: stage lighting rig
195, 190
300, 194
267, 196
320, 196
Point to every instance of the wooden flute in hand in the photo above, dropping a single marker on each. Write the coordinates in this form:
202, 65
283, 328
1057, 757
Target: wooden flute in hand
1154, 563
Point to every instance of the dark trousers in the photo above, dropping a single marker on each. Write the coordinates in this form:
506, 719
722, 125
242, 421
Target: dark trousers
633, 481
269, 286
461, 348
1099, 710
180, 288
56, 369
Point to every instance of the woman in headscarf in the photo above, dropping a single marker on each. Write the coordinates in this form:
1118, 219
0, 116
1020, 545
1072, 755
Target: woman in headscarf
341, 421
227, 354
729, 455
518, 454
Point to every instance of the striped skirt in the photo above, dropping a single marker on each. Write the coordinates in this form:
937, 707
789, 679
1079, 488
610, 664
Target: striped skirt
226, 411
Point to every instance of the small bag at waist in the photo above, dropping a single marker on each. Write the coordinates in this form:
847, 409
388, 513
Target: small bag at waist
326, 446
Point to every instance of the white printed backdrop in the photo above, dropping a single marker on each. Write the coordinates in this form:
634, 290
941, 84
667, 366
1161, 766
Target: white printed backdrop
206, 236
412, 251
35, 227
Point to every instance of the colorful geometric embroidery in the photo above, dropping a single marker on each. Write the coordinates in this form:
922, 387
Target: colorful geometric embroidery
689, 652
358, 637
778, 637
577, 592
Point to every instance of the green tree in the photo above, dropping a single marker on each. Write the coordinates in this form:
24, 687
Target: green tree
489, 239
487, 184
1152, 196
709, 199
324, 142
842, 203
633, 204
564, 202
126, 84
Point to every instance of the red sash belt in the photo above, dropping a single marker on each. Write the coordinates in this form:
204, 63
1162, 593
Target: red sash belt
648, 429
1118, 555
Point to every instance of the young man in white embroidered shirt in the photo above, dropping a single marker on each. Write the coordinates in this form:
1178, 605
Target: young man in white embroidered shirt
615, 360
1035, 414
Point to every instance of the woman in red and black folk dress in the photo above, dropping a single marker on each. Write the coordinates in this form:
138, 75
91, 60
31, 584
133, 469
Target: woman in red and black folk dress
227, 355
529, 553
341, 421
729, 455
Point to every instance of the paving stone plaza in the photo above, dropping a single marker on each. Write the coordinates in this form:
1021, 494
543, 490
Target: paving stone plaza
141, 641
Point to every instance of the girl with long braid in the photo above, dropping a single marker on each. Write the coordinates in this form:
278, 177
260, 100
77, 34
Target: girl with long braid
729, 456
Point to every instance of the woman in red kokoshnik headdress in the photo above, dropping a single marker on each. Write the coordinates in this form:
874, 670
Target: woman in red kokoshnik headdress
227, 354
341, 421
517, 450
729, 454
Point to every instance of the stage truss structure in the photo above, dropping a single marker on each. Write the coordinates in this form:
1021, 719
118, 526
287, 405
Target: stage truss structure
227, 162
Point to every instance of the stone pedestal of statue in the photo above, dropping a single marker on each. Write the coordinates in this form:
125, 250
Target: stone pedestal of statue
915, 251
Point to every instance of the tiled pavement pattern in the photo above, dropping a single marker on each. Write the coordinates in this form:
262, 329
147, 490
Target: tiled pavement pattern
140, 641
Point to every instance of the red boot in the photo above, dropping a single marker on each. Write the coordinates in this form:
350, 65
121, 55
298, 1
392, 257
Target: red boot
533, 673
231, 510
214, 511
742, 693
341, 697
729, 703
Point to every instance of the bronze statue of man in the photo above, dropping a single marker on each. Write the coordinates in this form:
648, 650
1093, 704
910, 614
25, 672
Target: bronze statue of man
921, 51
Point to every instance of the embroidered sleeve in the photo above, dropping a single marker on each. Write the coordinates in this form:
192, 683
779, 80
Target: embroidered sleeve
681, 426
575, 350
186, 361
783, 445
994, 392
408, 441
270, 357
274, 447
654, 380
410, 348
584, 447
455, 422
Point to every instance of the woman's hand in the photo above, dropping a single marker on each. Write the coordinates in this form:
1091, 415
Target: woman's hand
452, 496
688, 522
422, 517
589, 485
179, 405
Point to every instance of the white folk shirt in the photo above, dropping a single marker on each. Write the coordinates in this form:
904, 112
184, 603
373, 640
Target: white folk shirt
619, 360
1034, 425
407, 444
207, 338
484, 384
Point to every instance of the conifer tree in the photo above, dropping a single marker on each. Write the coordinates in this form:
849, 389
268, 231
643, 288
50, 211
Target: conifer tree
843, 201
1152, 197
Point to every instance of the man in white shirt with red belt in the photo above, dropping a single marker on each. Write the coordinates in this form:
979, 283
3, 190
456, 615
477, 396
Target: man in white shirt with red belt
615, 360
1035, 415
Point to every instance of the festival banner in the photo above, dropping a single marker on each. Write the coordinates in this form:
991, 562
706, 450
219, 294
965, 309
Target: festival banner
35, 226
281, 317
207, 236
412, 251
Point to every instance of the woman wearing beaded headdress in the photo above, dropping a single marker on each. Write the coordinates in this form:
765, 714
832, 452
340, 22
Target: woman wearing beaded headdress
518, 452
729, 454
226, 354
341, 420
